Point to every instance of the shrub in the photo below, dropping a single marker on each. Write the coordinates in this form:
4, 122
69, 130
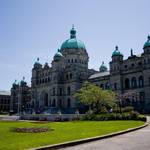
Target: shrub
58, 119
75, 119
134, 115
103, 110
114, 116
142, 118
65, 119
3, 113
127, 109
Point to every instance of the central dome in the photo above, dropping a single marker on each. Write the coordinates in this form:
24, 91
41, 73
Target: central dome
72, 43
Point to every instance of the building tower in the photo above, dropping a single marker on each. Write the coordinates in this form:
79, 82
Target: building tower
115, 70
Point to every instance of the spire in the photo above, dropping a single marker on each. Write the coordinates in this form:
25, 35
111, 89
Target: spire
15, 82
148, 38
23, 78
72, 32
116, 48
131, 52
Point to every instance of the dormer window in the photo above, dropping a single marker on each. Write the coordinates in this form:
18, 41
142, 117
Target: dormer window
125, 66
132, 65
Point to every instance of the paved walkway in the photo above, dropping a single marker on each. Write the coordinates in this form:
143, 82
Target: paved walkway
137, 140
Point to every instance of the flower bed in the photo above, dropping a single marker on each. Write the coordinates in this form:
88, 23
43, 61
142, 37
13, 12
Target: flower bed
31, 130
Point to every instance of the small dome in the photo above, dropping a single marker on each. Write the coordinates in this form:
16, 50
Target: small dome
103, 68
147, 44
37, 62
22, 82
117, 52
14, 85
73, 42
46, 66
58, 55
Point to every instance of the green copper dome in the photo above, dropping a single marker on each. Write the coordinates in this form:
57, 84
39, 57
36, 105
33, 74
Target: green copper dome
73, 42
117, 52
22, 82
103, 68
58, 55
14, 85
37, 61
147, 44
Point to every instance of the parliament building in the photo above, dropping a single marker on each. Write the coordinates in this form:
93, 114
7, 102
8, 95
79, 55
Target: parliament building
53, 86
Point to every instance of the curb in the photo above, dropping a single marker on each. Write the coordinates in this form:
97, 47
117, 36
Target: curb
81, 141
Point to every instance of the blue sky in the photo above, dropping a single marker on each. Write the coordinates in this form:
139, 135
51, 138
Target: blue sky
37, 28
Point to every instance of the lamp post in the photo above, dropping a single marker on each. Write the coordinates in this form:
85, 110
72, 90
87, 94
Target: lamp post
19, 100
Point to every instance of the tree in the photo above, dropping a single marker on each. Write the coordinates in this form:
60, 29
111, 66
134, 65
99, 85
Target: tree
95, 97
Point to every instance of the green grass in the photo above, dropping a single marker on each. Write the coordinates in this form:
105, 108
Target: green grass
63, 131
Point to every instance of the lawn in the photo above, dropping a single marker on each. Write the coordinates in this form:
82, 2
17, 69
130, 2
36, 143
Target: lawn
63, 131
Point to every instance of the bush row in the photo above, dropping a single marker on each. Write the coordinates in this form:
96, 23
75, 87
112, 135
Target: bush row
114, 116
3, 113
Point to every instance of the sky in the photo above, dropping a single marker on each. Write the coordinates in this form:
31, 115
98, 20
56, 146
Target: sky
37, 28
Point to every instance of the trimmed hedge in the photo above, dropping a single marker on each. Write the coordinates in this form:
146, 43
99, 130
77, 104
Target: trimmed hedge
3, 113
114, 116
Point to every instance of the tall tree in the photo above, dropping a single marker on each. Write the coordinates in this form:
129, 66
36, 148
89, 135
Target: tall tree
96, 97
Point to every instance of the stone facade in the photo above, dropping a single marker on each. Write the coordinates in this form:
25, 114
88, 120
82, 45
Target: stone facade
20, 97
4, 101
53, 87
129, 78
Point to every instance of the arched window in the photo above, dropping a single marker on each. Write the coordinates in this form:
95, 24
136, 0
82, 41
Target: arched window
102, 86
32, 104
60, 91
54, 91
70, 75
37, 82
115, 86
48, 79
68, 90
141, 82
106, 85
133, 82
50, 103
54, 103
127, 83
45, 80
60, 103
68, 102
67, 77
46, 100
